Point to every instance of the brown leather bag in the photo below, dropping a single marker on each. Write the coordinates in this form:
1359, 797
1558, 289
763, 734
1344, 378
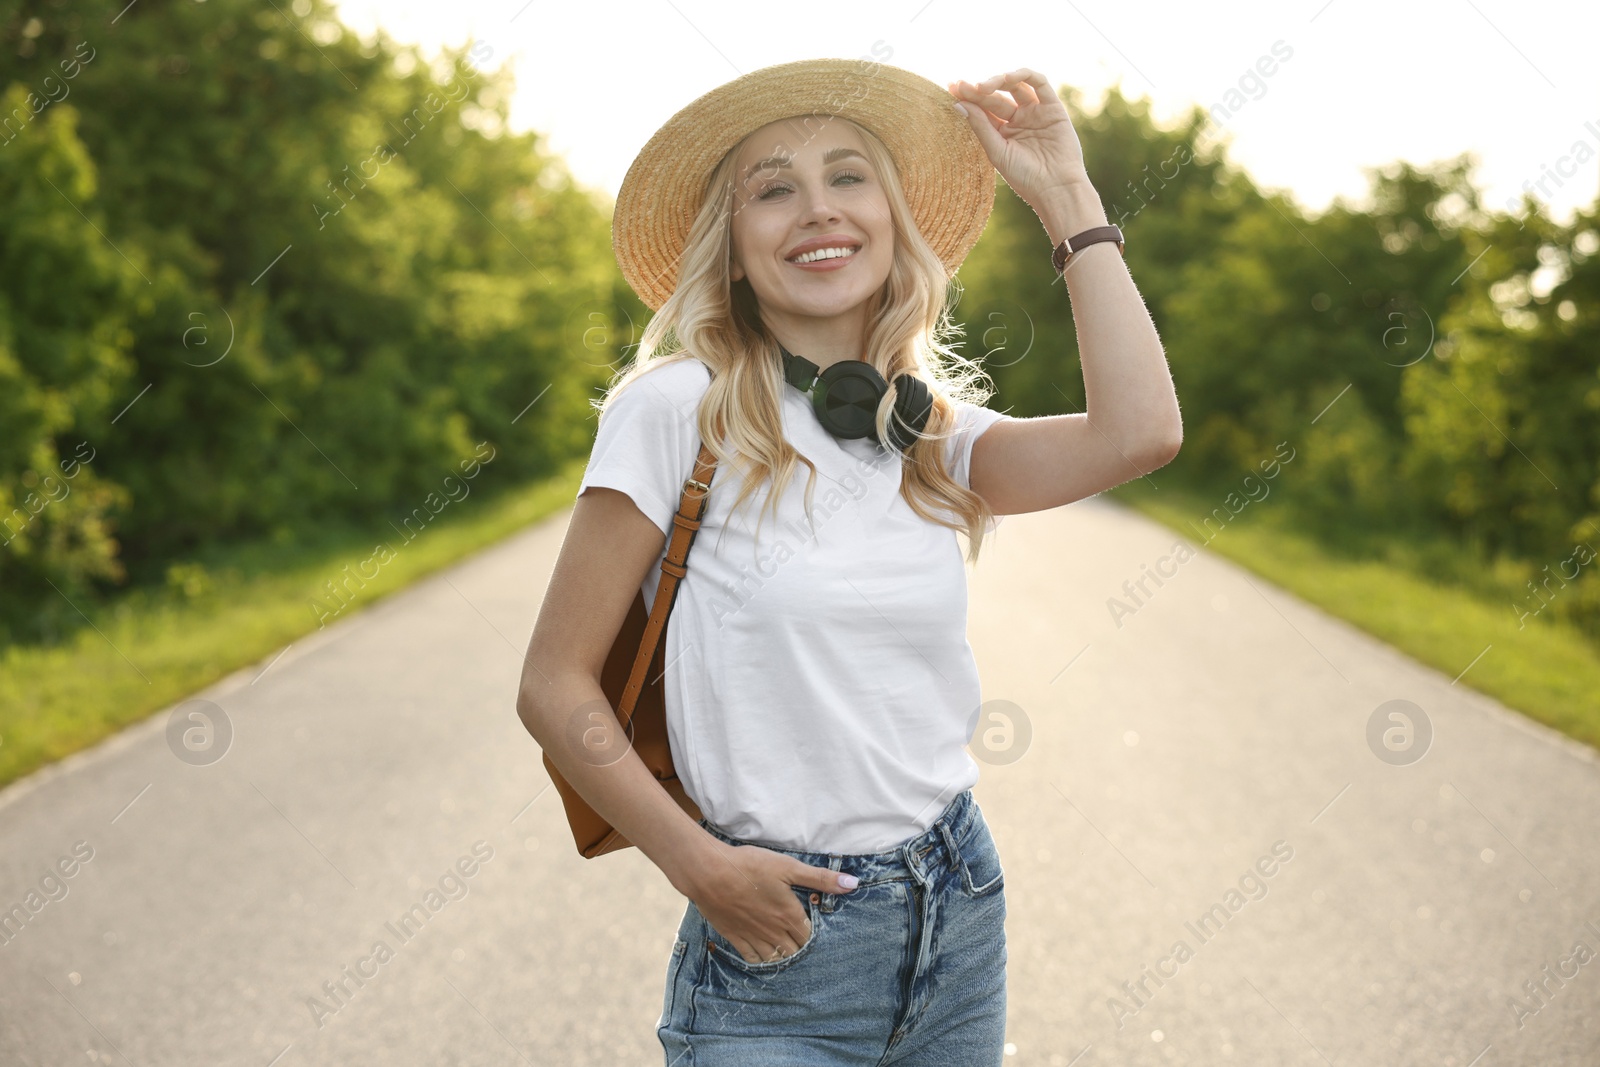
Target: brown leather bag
636, 655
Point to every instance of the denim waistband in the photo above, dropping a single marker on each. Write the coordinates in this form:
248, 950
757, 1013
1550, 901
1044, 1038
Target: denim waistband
939, 844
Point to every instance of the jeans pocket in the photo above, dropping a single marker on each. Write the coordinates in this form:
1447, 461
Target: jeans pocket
981, 872
723, 950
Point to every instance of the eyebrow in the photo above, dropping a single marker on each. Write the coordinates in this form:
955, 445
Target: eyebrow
831, 155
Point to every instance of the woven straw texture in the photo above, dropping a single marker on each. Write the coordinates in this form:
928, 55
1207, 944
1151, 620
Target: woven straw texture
948, 179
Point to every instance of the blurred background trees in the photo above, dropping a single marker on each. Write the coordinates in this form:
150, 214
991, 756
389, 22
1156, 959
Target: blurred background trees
1435, 366
259, 277
266, 278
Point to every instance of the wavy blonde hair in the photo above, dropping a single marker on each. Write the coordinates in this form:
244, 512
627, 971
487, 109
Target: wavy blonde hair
718, 321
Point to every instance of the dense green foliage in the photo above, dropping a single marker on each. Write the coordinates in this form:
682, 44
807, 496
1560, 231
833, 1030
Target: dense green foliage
256, 276
1434, 366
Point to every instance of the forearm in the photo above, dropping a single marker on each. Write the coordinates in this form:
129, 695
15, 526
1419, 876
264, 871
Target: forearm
624, 791
1127, 386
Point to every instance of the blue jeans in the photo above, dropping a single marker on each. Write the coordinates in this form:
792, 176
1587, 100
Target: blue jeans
908, 968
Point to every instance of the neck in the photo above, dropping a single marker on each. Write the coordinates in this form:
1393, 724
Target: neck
823, 341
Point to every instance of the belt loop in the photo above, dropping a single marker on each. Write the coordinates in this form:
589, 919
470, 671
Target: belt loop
834, 863
950, 845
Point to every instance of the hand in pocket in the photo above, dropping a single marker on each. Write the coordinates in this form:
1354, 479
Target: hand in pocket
746, 896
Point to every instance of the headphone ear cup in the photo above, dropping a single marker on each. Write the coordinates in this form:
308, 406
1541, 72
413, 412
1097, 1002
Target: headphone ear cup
913, 407
846, 398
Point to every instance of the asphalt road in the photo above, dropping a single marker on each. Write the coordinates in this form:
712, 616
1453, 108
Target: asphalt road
1204, 753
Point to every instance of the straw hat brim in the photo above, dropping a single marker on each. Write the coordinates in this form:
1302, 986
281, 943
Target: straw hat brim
947, 177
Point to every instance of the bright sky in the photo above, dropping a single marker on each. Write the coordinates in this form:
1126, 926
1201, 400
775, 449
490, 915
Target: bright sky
1366, 83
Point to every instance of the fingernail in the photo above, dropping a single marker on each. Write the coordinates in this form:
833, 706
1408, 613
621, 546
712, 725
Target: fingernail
959, 108
848, 881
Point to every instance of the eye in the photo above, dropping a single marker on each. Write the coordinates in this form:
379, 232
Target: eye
773, 190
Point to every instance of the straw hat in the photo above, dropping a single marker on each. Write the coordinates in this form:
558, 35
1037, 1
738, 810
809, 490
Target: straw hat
947, 176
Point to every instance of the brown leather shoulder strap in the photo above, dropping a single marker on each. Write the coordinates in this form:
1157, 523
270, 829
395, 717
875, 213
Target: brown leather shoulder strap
685, 525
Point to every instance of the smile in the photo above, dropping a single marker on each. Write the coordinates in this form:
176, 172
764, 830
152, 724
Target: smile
825, 258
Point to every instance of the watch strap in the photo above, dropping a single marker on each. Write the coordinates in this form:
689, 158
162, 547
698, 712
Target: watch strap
1072, 245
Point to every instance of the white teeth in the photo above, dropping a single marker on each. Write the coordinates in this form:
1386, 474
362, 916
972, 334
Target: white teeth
824, 253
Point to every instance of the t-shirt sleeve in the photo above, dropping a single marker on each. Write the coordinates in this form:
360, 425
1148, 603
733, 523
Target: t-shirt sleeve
970, 423
647, 443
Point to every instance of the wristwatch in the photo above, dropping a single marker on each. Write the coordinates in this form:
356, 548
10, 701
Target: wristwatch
1072, 245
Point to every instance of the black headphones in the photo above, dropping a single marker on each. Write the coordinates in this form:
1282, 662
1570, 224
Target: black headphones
846, 398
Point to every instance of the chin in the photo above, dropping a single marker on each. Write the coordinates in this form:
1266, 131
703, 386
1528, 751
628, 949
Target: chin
832, 306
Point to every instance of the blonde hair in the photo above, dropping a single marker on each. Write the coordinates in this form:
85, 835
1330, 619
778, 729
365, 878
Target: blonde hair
711, 318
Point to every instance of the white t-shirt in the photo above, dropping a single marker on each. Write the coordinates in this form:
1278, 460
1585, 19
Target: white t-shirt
820, 692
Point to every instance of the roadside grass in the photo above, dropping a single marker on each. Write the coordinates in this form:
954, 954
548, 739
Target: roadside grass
233, 607
1427, 597
223, 610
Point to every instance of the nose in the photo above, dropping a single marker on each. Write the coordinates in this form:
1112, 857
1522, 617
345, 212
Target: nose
819, 204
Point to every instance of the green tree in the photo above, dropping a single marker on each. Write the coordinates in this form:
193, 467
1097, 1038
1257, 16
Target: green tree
341, 275
64, 350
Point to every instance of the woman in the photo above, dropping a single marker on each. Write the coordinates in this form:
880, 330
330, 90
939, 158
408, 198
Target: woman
846, 899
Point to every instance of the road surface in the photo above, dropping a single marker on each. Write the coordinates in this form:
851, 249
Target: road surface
1211, 855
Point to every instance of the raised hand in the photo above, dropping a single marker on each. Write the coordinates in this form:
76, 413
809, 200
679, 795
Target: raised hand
1024, 127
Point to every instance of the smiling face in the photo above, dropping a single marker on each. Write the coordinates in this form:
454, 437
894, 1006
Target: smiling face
801, 183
